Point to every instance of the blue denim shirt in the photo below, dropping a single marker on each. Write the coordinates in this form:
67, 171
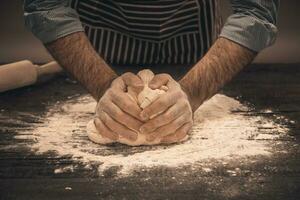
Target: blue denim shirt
252, 24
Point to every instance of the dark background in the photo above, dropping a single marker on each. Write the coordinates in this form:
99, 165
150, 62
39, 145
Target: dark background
16, 43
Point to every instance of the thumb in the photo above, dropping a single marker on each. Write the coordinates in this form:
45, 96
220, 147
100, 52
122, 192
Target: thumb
159, 80
133, 81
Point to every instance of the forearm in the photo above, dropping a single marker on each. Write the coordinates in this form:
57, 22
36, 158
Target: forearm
77, 56
224, 60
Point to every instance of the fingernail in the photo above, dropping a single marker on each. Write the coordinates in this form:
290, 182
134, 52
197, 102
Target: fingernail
144, 116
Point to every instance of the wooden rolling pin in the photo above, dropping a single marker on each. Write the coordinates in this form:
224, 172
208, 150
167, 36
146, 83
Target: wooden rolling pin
25, 73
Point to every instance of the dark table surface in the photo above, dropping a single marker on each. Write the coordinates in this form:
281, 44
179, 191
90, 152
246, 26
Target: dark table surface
25, 175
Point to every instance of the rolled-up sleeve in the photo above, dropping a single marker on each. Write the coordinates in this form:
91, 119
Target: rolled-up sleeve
252, 24
49, 20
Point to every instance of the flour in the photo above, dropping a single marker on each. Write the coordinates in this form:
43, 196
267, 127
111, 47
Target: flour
222, 131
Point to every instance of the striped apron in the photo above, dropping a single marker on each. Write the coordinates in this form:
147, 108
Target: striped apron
150, 32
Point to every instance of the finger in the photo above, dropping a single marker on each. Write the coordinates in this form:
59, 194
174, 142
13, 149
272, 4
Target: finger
104, 131
171, 114
127, 104
118, 84
170, 128
179, 135
133, 81
159, 80
160, 105
117, 127
120, 116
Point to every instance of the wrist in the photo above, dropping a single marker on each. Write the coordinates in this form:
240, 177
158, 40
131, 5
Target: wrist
104, 85
189, 95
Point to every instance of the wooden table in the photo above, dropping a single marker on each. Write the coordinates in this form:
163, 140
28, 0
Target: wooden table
24, 175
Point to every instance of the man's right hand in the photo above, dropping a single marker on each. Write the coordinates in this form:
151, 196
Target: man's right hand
117, 113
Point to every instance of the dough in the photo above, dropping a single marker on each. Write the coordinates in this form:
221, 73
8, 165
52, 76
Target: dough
144, 98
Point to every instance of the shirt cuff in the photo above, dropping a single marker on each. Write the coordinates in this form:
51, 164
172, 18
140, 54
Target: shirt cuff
250, 32
50, 25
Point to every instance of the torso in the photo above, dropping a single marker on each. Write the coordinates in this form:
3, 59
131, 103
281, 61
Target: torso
150, 32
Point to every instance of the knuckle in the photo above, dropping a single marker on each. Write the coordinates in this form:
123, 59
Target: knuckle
185, 105
148, 126
180, 136
159, 104
108, 108
107, 119
127, 77
104, 102
103, 99
169, 114
113, 112
102, 117
129, 106
190, 112
180, 104
166, 76
109, 93
114, 94
186, 117
127, 74
116, 81
162, 120
97, 122
99, 125
169, 139
126, 105
181, 120
119, 114
100, 107
187, 127
180, 133
162, 102
120, 101
175, 94
130, 79
131, 122
108, 134
179, 94
191, 116
160, 134
165, 130
150, 109
189, 121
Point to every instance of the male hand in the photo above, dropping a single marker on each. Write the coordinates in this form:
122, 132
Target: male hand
169, 117
117, 113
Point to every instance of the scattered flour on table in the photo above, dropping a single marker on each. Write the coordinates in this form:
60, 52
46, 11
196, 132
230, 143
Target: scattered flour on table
222, 130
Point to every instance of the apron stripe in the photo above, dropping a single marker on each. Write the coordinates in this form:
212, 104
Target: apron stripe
150, 32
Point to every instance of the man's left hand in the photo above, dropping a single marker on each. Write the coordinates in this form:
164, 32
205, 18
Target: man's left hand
170, 116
